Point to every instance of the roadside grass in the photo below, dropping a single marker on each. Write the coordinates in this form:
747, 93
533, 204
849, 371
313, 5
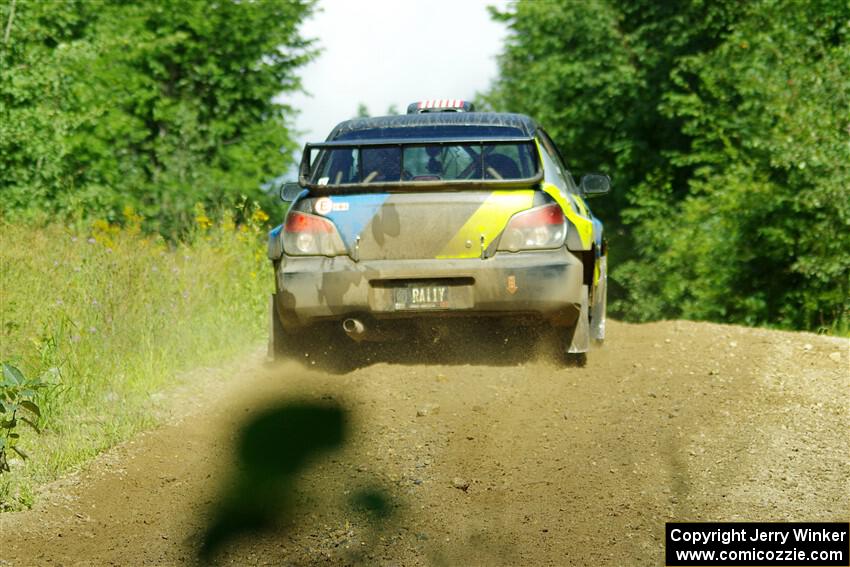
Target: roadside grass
840, 329
119, 314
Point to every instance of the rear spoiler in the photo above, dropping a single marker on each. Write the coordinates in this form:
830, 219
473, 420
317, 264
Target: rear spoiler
305, 173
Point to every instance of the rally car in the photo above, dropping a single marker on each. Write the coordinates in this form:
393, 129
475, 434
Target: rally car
398, 222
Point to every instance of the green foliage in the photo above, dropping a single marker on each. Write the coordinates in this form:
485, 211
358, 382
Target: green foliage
119, 314
17, 405
569, 65
362, 111
726, 128
158, 105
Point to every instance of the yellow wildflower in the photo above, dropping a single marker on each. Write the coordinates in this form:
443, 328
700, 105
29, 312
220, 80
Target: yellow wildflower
132, 220
201, 219
103, 232
227, 221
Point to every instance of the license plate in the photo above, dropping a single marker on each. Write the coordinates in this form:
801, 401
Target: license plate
422, 297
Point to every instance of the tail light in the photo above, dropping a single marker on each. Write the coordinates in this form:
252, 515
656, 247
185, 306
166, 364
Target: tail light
310, 235
535, 229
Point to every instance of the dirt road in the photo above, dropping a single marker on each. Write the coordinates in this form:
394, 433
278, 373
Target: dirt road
480, 458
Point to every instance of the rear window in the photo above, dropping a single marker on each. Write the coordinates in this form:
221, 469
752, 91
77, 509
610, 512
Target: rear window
426, 162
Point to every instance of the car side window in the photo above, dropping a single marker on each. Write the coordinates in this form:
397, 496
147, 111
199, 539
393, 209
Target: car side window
571, 183
555, 156
551, 170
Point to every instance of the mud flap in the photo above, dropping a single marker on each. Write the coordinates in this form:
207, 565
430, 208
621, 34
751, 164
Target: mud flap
580, 341
597, 312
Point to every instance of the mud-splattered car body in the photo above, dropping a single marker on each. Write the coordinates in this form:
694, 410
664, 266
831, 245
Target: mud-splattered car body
402, 220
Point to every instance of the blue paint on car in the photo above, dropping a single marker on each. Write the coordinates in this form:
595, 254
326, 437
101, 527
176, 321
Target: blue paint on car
360, 211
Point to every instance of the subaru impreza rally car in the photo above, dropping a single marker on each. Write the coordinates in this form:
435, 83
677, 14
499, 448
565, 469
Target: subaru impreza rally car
443, 213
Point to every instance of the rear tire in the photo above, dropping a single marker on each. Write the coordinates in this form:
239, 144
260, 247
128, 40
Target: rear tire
281, 343
322, 346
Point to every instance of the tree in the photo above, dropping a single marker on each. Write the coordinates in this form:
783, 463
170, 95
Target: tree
362, 111
762, 234
722, 123
159, 105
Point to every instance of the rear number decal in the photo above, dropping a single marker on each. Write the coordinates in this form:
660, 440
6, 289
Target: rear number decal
323, 205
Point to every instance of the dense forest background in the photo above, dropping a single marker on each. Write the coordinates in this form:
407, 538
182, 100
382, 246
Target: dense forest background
725, 126
158, 105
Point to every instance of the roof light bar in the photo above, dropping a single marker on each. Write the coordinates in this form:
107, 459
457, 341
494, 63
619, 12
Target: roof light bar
440, 105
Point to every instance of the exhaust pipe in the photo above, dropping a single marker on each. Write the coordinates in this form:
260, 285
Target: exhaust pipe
355, 329
358, 331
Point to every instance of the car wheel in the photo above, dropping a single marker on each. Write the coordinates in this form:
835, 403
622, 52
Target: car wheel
319, 347
282, 344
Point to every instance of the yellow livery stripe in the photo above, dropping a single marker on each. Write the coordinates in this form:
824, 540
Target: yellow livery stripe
583, 225
487, 221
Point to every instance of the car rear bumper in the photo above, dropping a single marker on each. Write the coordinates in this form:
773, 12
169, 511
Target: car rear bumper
545, 284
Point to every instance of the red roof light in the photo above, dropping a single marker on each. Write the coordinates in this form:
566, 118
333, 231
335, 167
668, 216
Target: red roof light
440, 105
